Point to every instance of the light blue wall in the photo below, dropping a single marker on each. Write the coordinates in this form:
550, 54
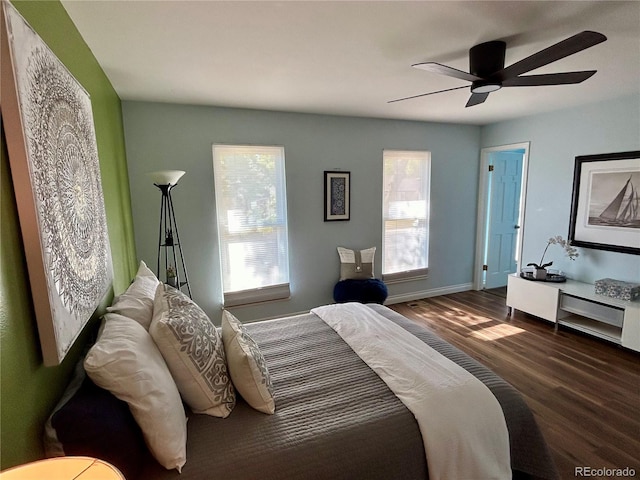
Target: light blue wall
162, 136
556, 139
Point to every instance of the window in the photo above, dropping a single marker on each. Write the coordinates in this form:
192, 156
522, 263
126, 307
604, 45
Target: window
405, 214
252, 222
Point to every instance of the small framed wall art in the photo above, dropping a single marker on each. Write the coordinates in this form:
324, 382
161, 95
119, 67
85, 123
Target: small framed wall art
337, 196
605, 208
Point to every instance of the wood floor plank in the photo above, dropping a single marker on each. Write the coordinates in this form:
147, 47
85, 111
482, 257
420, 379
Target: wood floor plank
584, 392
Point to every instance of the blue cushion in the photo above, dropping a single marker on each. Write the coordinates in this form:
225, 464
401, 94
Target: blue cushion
370, 290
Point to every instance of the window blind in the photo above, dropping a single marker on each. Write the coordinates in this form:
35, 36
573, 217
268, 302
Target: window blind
251, 214
405, 214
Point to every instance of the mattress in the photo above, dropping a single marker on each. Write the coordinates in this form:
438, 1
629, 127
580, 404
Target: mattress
335, 418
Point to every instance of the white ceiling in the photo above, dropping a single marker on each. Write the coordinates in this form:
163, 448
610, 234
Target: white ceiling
352, 57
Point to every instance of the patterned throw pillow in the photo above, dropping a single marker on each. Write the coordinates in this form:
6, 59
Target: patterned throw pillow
194, 352
356, 264
247, 366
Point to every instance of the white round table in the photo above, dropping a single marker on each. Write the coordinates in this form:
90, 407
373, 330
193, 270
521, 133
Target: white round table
64, 468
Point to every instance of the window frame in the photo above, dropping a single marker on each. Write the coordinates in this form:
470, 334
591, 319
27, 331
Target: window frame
422, 271
264, 293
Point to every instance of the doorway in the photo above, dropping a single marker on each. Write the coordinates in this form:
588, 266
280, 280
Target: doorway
500, 214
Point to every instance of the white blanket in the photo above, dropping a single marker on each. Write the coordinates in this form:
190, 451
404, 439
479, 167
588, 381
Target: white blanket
463, 429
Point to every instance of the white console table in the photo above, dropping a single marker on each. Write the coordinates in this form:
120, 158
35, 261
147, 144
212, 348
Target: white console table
576, 305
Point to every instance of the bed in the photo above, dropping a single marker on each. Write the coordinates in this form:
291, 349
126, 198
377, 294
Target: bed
335, 417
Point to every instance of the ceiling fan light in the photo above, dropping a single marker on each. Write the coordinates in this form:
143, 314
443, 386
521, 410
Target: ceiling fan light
482, 86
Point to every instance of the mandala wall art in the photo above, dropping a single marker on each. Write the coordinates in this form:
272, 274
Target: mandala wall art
337, 196
48, 123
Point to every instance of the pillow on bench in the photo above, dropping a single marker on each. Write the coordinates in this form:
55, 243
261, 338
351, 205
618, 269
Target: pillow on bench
356, 264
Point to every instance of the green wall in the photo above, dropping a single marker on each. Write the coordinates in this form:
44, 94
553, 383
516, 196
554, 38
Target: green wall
28, 390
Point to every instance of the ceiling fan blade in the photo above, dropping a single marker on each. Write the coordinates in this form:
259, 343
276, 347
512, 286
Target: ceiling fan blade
569, 46
476, 99
549, 79
445, 70
425, 94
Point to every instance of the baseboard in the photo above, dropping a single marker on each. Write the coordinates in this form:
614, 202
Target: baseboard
434, 292
405, 297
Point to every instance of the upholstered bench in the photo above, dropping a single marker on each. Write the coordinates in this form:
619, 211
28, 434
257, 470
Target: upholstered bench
369, 290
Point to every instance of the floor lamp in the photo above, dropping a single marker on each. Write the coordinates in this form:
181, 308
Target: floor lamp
169, 239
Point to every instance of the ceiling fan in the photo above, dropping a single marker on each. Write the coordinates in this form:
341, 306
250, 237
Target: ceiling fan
488, 73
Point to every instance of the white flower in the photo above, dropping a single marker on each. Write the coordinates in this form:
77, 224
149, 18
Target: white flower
571, 251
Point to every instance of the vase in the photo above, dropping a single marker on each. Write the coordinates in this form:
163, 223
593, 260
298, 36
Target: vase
540, 273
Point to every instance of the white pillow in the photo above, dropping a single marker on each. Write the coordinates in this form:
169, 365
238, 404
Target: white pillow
356, 264
193, 349
137, 301
246, 365
126, 361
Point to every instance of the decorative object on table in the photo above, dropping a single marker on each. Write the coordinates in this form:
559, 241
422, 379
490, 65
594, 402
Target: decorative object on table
337, 196
618, 289
172, 276
169, 239
553, 276
540, 273
51, 140
605, 208
540, 269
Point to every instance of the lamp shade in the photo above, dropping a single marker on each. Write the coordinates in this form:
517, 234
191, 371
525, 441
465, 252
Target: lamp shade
64, 468
166, 177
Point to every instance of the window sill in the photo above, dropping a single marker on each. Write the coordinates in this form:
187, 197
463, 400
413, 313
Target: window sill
402, 277
257, 295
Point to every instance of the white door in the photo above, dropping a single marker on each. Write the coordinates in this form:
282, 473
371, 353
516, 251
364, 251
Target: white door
503, 222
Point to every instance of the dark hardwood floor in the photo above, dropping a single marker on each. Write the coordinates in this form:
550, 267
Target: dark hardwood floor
584, 392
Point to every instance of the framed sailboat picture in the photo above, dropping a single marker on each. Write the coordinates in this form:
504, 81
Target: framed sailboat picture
605, 208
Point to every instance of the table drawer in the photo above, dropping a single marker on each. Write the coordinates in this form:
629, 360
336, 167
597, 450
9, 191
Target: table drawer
536, 298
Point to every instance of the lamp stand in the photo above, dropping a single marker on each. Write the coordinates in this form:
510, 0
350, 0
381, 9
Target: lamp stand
168, 241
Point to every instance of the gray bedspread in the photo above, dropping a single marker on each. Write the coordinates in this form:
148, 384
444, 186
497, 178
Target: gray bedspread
335, 418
